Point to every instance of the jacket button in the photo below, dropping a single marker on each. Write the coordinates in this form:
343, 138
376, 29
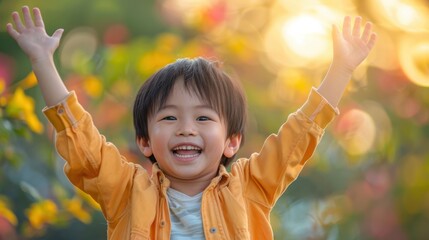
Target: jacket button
213, 230
60, 110
162, 223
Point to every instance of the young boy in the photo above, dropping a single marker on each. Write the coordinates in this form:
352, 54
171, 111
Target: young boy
189, 119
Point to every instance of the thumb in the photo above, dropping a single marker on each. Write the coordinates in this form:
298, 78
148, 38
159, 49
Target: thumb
336, 35
336, 38
58, 33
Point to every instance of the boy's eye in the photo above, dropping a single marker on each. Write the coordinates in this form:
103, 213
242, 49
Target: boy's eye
169, 118
203, 118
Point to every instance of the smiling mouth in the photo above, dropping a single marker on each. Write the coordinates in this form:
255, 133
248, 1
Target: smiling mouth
187, 151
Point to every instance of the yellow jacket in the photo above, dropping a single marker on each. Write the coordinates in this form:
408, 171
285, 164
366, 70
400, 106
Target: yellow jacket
236, 205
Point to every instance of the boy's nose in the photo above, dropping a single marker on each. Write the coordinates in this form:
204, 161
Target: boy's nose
186, 129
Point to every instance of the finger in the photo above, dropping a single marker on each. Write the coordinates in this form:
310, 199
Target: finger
346, 27
12, 32
372, 41
336, 37
356, 27
335, 33
19, 26
27, 17
367, 32
38, 20
58, 33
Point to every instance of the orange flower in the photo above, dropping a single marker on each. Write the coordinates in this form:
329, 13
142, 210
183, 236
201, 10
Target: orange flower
2, 85
93, 86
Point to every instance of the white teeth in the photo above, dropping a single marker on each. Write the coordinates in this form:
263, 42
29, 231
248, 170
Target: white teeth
187, 156
188, 148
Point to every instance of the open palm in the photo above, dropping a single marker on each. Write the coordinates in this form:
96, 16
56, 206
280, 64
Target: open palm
352, 47
31, 35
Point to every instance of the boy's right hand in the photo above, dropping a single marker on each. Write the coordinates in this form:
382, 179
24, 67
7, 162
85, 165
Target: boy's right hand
31, 35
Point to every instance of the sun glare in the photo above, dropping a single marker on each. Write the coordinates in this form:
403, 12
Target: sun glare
306, 36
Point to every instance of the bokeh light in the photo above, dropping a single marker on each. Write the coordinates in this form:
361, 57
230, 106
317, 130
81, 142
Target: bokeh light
414, 58
406, 15
116, 34
306, 36
199, 14
78, 48
356, 131
300, 34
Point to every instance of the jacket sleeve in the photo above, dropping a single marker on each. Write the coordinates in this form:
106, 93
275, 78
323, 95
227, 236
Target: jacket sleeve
267, 174
92, 164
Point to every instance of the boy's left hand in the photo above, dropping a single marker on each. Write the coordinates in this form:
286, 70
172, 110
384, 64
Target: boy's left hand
352, 47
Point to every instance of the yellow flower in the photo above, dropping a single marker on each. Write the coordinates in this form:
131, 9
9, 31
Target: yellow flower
6, 212
93, 86
74, 206
29, 81
22, 107
33, 123
41, 213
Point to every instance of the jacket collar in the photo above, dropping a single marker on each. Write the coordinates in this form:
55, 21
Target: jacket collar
159, 178
222, 178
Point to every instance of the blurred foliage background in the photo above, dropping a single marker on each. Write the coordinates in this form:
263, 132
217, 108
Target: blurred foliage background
370, 176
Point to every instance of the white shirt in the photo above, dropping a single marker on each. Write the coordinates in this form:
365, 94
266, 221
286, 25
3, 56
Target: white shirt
185, 215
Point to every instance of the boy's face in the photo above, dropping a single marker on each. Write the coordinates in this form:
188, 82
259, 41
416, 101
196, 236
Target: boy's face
187, 137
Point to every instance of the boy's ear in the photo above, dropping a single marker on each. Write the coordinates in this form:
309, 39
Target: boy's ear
233, 145
144, 146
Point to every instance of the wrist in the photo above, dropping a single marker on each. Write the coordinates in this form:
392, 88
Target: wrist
41, 60
341, 68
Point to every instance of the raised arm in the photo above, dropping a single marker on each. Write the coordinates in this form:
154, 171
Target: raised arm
31, 36
351, 47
